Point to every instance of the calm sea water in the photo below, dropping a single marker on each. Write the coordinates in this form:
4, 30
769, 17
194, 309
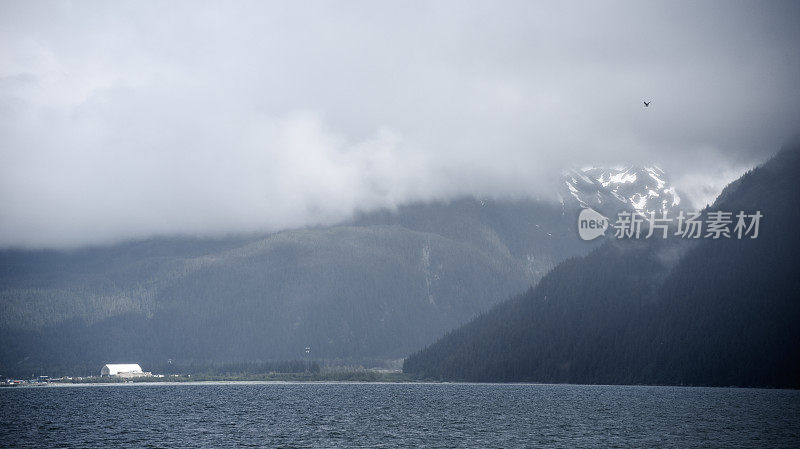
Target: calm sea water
395, 415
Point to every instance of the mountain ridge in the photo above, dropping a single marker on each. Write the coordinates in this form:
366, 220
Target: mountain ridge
377, 287
642, 189
677, 312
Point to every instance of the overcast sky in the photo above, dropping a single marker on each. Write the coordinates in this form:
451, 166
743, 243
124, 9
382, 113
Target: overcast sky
130, 119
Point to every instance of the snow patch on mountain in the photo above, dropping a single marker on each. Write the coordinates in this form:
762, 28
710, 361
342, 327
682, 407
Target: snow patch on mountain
642, 189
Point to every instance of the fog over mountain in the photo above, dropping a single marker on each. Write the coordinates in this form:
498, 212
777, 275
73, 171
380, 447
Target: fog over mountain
131, 119
653, 311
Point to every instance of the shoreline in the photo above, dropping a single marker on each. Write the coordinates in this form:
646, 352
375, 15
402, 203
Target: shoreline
361, 382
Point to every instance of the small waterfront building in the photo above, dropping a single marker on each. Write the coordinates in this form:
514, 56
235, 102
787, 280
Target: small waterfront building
123, 370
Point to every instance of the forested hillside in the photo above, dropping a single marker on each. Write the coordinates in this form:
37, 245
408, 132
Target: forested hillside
705, 312
378, 287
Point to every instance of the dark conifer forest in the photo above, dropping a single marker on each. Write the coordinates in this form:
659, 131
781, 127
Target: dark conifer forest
704, 312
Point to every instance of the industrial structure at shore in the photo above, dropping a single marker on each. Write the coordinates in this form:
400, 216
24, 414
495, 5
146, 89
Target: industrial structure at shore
123, 370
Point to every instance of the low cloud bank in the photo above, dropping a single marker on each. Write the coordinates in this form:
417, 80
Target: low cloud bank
128, 120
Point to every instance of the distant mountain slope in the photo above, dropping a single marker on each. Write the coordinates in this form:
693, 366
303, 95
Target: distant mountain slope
611, 190
381, 286
707, 312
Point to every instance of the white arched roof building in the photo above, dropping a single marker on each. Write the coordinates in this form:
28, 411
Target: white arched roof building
117, 369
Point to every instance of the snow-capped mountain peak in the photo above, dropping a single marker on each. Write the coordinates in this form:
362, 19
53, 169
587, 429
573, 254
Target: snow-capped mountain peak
643, 189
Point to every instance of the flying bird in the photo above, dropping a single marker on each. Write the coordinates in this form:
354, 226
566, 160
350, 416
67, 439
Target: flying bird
647, 103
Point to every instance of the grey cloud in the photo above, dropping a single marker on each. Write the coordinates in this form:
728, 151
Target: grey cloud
129, 119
